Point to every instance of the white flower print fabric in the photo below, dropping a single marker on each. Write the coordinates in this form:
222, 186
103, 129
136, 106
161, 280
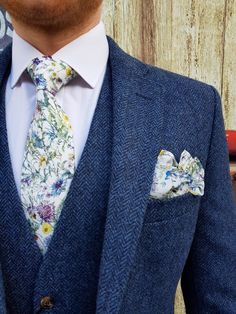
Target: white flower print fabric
49, 158
172, 179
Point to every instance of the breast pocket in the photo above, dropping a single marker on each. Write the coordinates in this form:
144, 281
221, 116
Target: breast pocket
171, 208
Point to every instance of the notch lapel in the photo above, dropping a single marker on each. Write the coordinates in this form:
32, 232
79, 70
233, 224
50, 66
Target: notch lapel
137, 139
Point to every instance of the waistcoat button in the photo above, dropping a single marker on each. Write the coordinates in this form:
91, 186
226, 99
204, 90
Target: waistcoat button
46, 302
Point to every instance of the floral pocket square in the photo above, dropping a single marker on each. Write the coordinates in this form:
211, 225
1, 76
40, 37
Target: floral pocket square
172, 179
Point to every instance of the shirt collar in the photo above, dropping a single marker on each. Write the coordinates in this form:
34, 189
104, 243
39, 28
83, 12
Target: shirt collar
87, 55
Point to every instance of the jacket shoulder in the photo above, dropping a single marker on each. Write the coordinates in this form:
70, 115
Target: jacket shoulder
181, 89
174, 83
179, 83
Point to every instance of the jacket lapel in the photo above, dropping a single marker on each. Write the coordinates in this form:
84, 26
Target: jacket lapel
137, 139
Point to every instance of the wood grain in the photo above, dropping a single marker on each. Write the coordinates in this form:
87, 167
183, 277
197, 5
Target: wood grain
229, 65
195, 38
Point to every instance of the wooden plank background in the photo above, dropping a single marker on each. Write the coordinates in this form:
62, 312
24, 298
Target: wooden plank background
196, 38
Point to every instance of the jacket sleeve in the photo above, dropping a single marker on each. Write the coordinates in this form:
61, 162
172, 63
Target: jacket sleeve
209, 276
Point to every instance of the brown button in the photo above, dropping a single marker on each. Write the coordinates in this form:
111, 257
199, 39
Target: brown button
47, 302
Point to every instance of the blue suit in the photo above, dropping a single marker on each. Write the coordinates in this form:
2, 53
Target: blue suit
142, 245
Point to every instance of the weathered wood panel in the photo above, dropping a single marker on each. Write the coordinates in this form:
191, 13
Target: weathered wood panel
196, 38
229, 65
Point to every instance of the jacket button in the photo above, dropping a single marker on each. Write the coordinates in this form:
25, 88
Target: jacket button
47, 302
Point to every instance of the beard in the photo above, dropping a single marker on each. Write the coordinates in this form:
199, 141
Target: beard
51, 14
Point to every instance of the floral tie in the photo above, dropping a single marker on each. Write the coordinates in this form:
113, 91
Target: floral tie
49, 157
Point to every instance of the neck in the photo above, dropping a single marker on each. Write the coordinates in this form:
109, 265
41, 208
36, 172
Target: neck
50, 41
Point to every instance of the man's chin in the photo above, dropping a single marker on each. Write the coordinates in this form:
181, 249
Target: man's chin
36, 18
39, 13
50, 14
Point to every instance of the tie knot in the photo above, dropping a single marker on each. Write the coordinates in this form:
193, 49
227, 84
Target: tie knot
49, 74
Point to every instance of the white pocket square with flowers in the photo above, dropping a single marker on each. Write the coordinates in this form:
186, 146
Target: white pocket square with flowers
172, 179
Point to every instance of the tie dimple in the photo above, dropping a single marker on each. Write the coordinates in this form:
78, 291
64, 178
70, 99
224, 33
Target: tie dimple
50, 75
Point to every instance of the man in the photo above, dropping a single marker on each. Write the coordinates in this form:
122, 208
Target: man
114, 175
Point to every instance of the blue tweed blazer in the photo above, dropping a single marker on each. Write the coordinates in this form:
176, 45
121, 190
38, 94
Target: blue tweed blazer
150, 244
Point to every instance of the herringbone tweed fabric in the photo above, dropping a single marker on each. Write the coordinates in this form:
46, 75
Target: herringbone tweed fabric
149, 243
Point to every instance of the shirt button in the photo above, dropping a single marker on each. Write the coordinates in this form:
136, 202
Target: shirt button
47, 302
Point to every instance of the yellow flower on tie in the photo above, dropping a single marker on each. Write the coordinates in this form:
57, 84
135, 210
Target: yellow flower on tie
65, 118
67, 121
68, 71
42, 161
46, 228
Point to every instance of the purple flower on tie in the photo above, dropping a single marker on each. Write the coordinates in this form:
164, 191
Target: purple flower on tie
46, 212
57, 187
36, 61
26, 181
40, 80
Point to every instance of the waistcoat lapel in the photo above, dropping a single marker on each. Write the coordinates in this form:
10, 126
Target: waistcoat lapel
135, 107
13, 224
9, 197
10, 204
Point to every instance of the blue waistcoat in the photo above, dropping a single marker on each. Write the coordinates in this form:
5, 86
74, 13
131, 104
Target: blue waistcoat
69, 271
